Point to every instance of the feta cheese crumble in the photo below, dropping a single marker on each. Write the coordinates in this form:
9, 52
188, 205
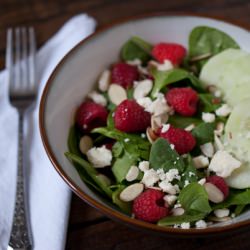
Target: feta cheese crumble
99, 156
143, 166
223, 163
165, 128
208, 117
150, 177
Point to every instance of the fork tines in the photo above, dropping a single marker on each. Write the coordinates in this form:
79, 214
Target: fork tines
21, 68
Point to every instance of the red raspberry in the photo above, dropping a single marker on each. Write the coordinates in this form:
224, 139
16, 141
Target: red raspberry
131, 117
169, 51
220, 183
183, 100
182, 140
149, 206
124, 74
90, 115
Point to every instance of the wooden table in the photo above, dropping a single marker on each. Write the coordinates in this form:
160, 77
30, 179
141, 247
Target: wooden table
89, 229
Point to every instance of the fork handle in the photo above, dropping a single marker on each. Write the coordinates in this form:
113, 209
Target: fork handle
21, 230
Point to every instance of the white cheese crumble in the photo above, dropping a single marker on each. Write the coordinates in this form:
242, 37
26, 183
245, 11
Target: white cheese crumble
150, 177
172, 174
167, 187
190, 127
200, 161
99, 156
135, 62
223, 163
165, 66
132, 174
200, 224
161, 174
170, 199
165, 128
223, 111
172, 146
143, 166
185, 225
186, 183
207, 149
208, 117
126, 140
220, 213
97, 98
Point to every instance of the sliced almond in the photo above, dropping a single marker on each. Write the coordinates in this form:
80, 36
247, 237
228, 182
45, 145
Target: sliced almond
219, 129
85, 144
214, 193
177, 211
158, 120
143, 88
216, 219
117, 93
131, 192
132, 173
151, 135
104, 80
217, 143
207, 149
190, 127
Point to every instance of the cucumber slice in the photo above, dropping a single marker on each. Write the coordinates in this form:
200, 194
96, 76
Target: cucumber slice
229, 71
240, 178
213, 71
237, 131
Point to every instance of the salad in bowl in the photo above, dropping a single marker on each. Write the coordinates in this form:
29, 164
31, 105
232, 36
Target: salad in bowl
165, 137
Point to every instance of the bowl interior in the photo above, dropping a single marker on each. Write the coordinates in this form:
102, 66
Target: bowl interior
79, 71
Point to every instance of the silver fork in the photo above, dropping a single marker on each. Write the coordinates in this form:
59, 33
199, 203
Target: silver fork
20, 64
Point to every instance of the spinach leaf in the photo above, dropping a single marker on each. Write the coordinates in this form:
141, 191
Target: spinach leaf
73, 141
110, 120
194, 199
136, 48
190, 173
208, 103
171, 220
117, 149
163, 156
92, 172
239, 209
122, 165
204, 133
204, 40
182, 121
164, 78
124, 206
235, 198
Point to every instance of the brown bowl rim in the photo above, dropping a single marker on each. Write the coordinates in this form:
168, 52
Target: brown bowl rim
76, 189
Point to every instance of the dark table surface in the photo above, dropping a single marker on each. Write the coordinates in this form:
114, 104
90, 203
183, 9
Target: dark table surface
87, 228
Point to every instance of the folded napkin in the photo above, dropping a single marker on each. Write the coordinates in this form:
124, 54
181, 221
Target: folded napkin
49, 196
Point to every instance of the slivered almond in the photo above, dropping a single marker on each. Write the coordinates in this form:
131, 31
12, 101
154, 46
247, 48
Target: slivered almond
131, 192
104, 80
142, 89
216, 219
85, 144
158, 120
132, 173
207, 149
116, 93
217, 143
214, 193
177, 211
151, 135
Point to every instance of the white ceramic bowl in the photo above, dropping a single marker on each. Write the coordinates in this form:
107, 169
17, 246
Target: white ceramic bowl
77, 74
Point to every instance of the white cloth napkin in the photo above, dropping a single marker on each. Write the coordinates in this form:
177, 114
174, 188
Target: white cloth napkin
49, 196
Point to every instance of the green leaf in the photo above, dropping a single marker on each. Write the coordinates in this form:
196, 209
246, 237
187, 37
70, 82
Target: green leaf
190, 173
136, 48
207, 103
164, 78
124, 206
117, 149
193, 198
204, 40
92, 172
182, 121
73, 141
239, 209
122, 165
110, 120
171, 220
235, 198
163, 156
204, 133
